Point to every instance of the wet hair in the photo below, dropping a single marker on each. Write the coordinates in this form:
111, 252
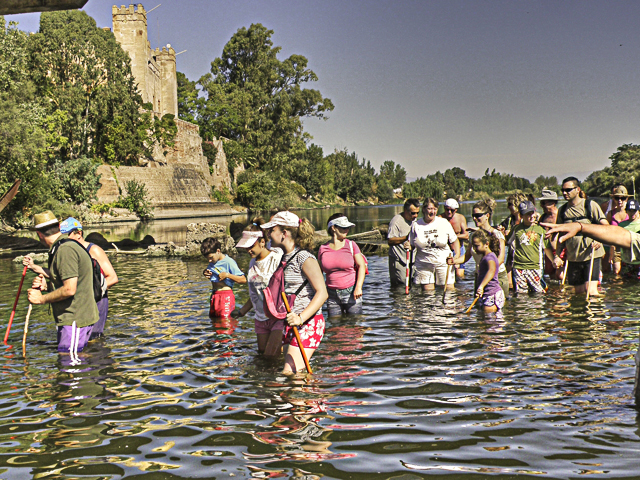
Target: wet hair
303, 235
431, 201
333, 217
487, 205
50, 230
492, 240
517, 198
409, 202
210, 245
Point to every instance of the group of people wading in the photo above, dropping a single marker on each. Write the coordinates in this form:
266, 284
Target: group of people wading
428, 250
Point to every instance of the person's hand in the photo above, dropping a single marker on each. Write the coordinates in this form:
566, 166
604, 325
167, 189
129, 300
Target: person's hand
407, 245
223, 275
39, 283
501, 229
480, 291
596, 245
207, 273
294, 319
34, 294
557, 262
357, 292
568, 229
237, 313
27, 261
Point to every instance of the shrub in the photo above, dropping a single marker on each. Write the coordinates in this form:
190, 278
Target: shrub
77, 180
136, 200
266, 191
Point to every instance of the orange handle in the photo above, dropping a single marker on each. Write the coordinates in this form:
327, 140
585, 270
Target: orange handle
295, 332
15, 304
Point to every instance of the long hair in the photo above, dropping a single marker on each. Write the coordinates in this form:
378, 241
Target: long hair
303, 235
492, 240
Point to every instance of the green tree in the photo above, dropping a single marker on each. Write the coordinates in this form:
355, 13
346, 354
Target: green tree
394, 173
188, 98
257, 100
81, 70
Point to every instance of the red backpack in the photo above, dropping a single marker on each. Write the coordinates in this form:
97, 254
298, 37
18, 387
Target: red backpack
273, 304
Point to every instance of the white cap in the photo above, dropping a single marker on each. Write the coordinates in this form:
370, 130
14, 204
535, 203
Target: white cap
248, 239
452, 203
284, 219
342, 222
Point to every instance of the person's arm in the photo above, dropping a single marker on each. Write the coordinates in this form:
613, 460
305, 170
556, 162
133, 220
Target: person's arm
491, 271
611, 234
312, 271
235, 278
361, 271
27, 261
67, 290
107, 269
548, 251
502, 250
456, 248
464, 234
245, 308
397, 240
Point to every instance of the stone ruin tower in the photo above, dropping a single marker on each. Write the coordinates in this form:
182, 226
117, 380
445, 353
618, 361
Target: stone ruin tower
154, 70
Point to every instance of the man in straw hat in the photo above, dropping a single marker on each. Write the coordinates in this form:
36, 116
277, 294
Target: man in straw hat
70, 286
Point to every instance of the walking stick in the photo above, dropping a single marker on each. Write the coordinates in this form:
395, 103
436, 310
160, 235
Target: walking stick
593, 251
26, 329
634, 186
446, 279
15, 304
474, 302
295, 332
408, 276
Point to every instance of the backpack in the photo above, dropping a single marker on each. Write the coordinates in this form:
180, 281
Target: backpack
562, 212
99, 282
273, 304
366, 262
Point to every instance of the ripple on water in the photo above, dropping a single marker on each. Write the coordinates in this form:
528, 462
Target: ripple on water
412, 387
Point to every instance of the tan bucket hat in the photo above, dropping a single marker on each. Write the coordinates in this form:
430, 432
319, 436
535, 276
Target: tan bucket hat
620, 191
44, 219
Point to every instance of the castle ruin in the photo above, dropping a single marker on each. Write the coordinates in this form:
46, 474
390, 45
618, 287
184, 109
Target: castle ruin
178, 177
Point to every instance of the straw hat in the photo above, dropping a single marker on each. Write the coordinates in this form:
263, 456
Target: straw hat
44, 219
619, 191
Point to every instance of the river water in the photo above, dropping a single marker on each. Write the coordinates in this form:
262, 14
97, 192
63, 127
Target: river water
413, 388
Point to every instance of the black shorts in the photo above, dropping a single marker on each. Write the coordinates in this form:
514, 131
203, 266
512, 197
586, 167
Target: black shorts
577, 272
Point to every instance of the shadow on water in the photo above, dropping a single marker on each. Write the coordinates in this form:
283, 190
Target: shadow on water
411, 388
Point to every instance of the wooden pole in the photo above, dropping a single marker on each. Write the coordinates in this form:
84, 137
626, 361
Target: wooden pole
26, 329
408, 276
297, 334
446, 279
593, 252
474, 302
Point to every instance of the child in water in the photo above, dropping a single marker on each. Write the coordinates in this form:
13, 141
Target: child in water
492, 296
223, 271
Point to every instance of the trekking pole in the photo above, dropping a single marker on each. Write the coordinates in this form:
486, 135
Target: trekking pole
15, 304
408, 275
474, 302
634, 186
593, 252
295, 332
446, 279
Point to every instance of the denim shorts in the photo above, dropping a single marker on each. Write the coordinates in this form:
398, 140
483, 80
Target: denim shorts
341, 300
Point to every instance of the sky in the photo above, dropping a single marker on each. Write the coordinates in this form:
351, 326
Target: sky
526, 87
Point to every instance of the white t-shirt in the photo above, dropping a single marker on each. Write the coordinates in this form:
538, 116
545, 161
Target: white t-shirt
258, 277
432, 241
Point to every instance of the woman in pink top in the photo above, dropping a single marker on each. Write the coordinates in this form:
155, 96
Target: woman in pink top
340, 259
617, 214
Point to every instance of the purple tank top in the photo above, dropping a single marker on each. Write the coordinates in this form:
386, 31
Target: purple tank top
493, 286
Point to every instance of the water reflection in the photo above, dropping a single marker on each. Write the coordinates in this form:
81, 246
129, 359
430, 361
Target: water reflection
413, 387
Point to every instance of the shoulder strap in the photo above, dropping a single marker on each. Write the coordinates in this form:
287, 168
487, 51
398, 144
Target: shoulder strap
89, 247
282, 262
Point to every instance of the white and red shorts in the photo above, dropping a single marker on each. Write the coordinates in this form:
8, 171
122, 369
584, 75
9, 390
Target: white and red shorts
311, 333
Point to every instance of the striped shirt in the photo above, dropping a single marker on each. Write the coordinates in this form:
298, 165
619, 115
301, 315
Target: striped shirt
294, 277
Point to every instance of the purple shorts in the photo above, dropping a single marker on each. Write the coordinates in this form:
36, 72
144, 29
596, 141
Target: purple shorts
72, 339
268, 326
103, 311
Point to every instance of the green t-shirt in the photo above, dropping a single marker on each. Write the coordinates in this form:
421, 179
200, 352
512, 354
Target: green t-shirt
71, 260
528, 247
631, 255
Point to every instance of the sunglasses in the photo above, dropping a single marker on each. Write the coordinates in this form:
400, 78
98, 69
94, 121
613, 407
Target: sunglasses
567, 190
450, 209
478, 215
619, 198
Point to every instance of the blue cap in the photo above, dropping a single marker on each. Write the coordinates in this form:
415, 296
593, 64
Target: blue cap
632, 204
526, 207
69, 225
